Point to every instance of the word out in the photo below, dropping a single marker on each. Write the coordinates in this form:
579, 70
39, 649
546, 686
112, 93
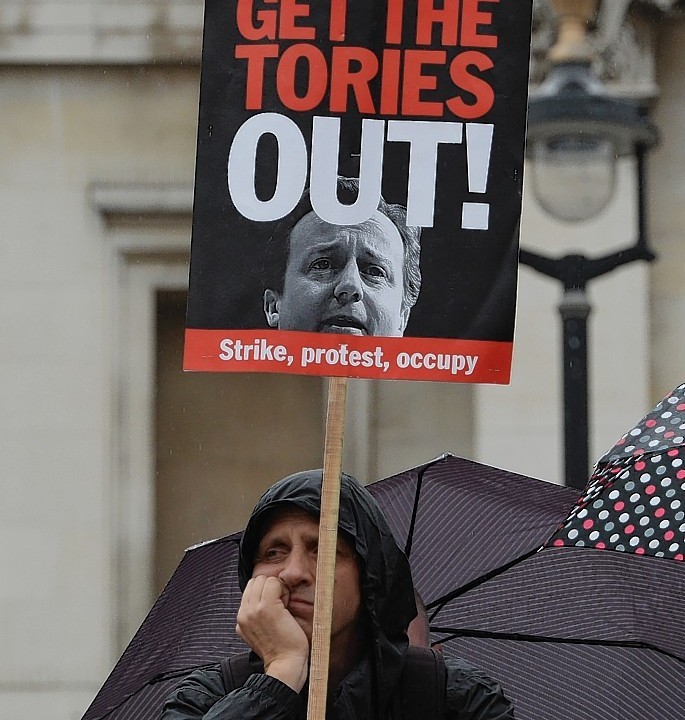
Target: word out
294, 166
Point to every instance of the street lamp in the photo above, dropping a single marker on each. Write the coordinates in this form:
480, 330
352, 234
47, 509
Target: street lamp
576, 132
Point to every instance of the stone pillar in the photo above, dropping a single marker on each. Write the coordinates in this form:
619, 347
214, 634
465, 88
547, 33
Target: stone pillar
667, 201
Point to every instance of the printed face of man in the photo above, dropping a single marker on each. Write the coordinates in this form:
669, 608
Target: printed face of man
288, 550
342, 279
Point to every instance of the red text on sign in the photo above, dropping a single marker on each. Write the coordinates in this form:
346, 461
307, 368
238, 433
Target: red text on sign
408, 80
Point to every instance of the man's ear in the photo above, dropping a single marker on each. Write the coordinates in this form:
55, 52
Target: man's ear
272, 303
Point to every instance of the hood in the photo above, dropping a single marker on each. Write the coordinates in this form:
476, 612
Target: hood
386, 584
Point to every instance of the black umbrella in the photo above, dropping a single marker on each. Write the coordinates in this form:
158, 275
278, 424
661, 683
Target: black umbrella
191, 624
479, 517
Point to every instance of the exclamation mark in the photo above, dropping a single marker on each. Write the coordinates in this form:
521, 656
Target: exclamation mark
476, 215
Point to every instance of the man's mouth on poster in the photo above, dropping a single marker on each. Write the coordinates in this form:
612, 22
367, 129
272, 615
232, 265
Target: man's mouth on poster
343, 325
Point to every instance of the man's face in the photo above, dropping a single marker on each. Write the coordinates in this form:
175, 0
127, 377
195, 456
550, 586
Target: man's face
288, 551
342, 279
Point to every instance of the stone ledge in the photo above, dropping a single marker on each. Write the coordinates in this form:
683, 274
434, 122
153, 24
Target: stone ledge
91, 32
140, 220
122, 199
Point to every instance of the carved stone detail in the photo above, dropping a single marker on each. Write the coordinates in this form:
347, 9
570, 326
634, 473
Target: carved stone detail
623, 37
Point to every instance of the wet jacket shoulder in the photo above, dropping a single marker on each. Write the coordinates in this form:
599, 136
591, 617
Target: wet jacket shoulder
469, 695
202, 696
473, 695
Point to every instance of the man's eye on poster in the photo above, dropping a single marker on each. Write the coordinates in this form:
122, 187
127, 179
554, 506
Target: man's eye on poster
358, 188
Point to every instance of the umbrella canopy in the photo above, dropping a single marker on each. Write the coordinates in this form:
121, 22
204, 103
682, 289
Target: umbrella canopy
191, 624
480, 517
573, 632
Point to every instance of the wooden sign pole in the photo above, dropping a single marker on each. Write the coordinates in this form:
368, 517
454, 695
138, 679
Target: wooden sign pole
328, 539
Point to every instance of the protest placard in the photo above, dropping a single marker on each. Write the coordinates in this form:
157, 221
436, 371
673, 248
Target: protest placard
358, 188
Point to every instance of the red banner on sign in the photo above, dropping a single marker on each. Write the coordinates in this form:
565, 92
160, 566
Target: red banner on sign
471, 361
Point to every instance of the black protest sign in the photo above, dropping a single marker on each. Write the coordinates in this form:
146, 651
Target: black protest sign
358, 188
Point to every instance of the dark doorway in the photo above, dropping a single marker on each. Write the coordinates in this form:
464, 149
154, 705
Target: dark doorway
221, 439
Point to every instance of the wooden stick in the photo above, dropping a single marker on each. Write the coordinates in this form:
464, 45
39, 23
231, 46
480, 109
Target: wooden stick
328, 539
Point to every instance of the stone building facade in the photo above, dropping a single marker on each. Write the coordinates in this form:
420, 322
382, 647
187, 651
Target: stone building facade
113, 461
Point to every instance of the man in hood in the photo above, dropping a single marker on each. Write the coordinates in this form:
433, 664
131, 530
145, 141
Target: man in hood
373, 604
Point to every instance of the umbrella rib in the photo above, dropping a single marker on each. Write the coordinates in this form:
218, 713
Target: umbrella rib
415, 510
440, 603
171, 674
453, 634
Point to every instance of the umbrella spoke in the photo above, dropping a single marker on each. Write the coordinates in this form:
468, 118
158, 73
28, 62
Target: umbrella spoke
455, 633
415, 510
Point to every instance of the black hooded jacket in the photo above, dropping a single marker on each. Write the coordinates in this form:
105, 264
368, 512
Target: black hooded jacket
388, 598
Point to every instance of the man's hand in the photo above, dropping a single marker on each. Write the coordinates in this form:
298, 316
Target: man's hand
265, 624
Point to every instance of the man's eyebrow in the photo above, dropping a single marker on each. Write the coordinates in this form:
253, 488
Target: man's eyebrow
372, 253
321, 245
333, 246
271, 539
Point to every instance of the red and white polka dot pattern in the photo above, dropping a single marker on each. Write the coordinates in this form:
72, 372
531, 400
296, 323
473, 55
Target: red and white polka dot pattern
635, 500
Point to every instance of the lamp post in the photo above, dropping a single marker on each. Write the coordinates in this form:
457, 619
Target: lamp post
576, 132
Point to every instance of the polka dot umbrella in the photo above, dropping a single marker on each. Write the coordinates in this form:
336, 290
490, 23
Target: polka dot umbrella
635, 500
